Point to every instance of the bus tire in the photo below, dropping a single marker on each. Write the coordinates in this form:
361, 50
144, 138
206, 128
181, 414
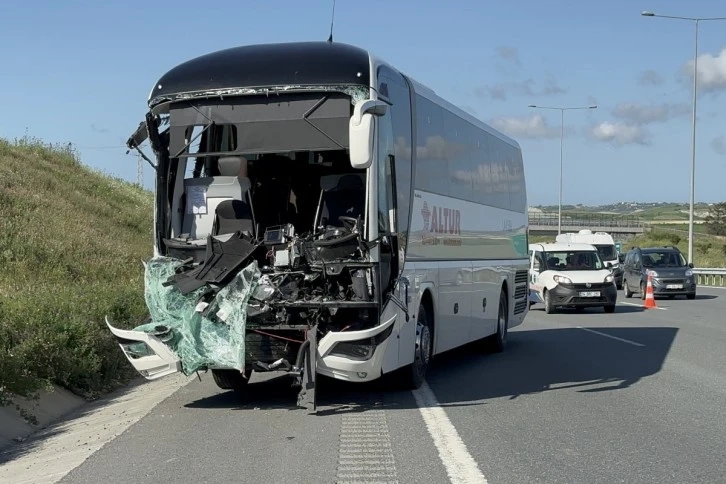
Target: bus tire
414, 375
229, 380
498, 340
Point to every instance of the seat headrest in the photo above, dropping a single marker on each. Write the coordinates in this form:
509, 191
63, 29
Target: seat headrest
349, 182
230, 165
342, 182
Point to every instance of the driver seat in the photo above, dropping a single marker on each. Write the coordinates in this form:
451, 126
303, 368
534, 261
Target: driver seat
341, 195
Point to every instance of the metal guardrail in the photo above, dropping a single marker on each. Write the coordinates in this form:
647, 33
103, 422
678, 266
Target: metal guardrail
712, 274
585, 220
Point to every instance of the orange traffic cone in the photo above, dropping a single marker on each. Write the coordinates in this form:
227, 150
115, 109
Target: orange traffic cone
649, 299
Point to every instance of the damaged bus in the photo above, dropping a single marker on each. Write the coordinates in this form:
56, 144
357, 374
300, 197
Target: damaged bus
317, 212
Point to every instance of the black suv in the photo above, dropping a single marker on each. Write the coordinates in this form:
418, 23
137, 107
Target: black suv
671, 275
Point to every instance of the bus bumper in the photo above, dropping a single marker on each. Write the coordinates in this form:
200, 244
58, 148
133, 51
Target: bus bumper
147, 353
355, 356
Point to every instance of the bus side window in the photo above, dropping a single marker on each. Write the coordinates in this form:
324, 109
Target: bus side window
385, 178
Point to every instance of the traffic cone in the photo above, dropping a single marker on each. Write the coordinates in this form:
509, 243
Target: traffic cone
649, 299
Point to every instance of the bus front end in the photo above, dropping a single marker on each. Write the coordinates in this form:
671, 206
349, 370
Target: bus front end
270, 256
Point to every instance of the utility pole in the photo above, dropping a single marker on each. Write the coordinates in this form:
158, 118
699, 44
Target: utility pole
139, 170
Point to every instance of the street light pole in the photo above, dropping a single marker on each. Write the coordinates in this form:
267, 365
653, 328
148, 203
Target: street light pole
562, 142
692, 201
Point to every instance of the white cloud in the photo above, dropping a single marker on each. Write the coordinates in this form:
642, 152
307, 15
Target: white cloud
711, 71
719, 145
620, 133
650, 78
527, 88
640, 114
533, 126
509, 53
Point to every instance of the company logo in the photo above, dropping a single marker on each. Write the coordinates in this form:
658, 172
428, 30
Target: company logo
441, 220
426, 214
587, 284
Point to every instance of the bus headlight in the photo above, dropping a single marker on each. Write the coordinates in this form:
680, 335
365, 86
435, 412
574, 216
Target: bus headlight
609, 278
562, 279
361, 349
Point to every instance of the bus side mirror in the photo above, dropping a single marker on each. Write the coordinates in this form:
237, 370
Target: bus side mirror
361, 132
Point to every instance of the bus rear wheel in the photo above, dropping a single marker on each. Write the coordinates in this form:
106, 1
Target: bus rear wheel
498, 341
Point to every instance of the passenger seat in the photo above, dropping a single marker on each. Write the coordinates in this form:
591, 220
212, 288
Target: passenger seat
218, 217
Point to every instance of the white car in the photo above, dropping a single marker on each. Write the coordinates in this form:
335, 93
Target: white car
570, 275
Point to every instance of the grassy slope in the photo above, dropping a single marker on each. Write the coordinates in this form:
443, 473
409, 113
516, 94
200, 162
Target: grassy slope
71, 245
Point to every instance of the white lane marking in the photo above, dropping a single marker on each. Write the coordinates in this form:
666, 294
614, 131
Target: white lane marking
365, 453
460, 465
610, 336
640, 305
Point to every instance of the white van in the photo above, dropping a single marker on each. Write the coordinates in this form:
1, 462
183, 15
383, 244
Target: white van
570, 275
604, 244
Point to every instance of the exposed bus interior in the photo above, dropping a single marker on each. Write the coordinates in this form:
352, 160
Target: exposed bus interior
266, 184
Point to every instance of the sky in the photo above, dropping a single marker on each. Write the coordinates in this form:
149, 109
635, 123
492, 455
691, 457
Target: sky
81, 72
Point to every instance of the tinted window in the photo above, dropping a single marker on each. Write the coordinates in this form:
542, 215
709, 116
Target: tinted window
399, 96
478, 166
573, 260
607, 252
432, 169
458, 136
663, 259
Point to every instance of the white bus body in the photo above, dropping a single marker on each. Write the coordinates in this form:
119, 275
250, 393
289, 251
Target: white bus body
444, 205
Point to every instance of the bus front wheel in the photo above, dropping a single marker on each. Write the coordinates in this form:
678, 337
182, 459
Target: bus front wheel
414, 375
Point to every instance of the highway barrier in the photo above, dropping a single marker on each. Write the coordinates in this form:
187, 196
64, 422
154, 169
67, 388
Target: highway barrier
710, 276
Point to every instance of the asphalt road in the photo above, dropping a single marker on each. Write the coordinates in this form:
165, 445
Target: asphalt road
635, 396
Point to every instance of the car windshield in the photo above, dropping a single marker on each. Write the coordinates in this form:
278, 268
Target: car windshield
607, 252
663, 259
573, 260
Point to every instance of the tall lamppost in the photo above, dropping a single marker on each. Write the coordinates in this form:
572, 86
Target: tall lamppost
695, 20
562, 140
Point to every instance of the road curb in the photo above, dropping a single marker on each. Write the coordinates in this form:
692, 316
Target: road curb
51, 406
51, 453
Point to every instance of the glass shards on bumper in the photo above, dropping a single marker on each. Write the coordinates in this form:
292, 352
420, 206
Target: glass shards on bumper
184, 334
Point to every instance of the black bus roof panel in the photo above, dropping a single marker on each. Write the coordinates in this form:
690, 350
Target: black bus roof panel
256, 66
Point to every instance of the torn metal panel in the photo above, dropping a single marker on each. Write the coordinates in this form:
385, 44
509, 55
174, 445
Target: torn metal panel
355, 92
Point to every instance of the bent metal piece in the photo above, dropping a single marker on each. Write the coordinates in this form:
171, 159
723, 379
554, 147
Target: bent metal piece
161, 362
307, 398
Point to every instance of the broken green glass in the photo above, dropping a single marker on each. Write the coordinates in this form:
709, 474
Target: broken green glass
201, 342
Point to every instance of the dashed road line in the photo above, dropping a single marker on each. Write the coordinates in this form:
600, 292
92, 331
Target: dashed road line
365, 454
610, 336
460, 465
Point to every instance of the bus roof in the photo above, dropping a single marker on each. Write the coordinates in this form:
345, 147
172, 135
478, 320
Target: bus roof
256, 66
286, 64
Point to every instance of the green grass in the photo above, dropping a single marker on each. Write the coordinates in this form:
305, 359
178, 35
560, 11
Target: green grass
71, 245
708, 251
